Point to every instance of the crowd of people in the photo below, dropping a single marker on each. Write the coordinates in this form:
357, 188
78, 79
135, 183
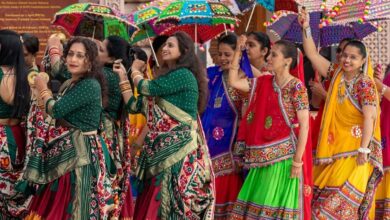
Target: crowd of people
226, 142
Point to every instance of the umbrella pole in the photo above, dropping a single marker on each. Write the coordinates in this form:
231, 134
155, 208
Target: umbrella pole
196, 38
93, 33
151, 46
250, 18
224, 25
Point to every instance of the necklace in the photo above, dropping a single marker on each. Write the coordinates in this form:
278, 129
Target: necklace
288, 78
345, 87
219, 98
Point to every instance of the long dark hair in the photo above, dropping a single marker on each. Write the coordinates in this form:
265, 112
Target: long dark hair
263, 40
118, 48
31, 43
11, 55
188, 59
91, 53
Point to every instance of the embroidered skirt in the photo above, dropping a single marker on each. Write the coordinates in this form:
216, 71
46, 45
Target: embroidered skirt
269, 193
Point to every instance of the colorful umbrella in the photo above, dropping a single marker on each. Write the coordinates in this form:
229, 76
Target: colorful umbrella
93, 20
357, 11
286, 26
196, 12
193, 15
237, 6
145, 19
208, 32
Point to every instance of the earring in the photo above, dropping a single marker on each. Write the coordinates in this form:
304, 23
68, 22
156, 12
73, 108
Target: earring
361, 69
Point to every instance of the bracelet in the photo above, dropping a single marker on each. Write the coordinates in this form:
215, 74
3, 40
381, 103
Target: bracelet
134, 72
364, 150
296, 164
44, 93
135, 77
41, 107
307, 32
384, 88
126, 91
125, 85
235, 67
124, 82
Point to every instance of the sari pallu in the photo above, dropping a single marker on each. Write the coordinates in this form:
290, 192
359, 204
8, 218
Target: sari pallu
65, 163
13, 204
342, 188
174, 168
118, 161
382, 200
220, 122
267, 137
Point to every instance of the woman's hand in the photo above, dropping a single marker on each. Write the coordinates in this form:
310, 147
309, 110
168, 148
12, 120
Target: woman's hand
295, 172
303, 19
361, 159
317, 89
238, 165
241, 42
119, 69
138, 65
379, 73
40, 83
296, 167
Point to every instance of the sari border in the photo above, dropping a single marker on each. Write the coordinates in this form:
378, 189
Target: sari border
184, 118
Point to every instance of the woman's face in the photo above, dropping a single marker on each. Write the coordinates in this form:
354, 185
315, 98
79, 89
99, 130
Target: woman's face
254, 49
351, 59
225, 55
29, 58
170, 51
76, 59
103, 57
339, 50
276, 61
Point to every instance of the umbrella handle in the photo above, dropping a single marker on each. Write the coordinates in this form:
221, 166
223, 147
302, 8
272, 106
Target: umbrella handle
250, 18
151, 46
196, 37
93, 33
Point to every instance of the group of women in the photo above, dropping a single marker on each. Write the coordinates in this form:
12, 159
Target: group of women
221, 145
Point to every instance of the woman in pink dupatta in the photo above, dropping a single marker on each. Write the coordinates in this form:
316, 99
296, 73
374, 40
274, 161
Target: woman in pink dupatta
382, 210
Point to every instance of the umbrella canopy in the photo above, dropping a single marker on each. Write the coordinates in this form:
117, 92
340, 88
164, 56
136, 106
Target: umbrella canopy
93, 20
203, 34
203, 20
145, 21
286, 26
196, 12
357, 11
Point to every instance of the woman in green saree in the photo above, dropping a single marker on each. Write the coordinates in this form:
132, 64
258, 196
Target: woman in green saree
66, 161
174, 168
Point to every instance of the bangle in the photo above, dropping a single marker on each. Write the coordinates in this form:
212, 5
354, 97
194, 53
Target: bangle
307, 32
134, 72
235, 67
41, 107
364, 150
126, 91
124, 82
384, 88
135, 77
125, 85
296, 164
44, 93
